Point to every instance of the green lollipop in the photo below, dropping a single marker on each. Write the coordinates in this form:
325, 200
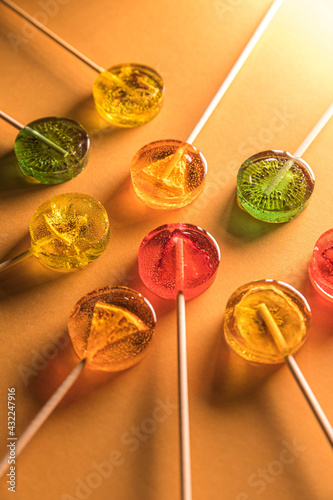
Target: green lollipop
275, 186
50, 150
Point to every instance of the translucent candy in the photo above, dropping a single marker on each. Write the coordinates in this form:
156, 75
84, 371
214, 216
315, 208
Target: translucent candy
43, 163
69, 231
178, 257
321, 265
274, 186
112, 328
128, 95
168, 174
245, 330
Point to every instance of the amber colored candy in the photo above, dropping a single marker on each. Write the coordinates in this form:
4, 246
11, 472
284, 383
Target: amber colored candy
168, 173
112, 328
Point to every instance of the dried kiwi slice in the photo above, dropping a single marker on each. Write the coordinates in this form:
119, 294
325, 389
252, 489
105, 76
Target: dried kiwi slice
43, 164
274, 186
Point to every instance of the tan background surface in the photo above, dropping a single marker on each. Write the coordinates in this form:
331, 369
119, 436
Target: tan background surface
241, 415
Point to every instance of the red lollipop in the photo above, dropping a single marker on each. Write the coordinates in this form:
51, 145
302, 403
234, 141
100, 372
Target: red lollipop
180, 261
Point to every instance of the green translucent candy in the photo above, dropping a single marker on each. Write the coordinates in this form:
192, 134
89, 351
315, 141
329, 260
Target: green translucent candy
44, 164
274, 186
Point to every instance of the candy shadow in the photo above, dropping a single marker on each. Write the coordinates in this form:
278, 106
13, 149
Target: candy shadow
240, 224
126, 208
231, 378
86, 114
12, 181
233, 381
52, 372
322, 315
143, 466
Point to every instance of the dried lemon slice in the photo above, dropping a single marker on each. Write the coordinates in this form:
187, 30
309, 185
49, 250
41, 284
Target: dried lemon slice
109, 325
67, 239
246, 331
253, 329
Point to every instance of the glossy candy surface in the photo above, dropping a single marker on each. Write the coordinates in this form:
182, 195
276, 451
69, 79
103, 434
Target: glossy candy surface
69, 231
274, 186
245, 330
128, 95
168, 174
321, 265
44, 164
178, 257
112, 328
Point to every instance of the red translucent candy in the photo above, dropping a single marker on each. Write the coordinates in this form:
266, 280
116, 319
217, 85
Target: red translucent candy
321, 265
178, 257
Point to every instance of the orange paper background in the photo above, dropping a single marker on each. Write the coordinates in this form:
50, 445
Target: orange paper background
242, 416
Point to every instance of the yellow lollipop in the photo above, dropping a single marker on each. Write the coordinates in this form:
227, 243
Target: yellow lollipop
247, 333
127, 95
267, 321
67, 232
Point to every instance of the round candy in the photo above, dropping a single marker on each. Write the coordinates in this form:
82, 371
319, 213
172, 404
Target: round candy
321, 265
245, 330
44, 164
168, 174
69, 231
178, 257
128, 95
274, 186
112, 328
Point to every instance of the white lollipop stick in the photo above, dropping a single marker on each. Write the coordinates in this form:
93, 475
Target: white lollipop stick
15, 260
235, 70
33, 132
43, 414
296, 372
52, 35
314, 132
184, 419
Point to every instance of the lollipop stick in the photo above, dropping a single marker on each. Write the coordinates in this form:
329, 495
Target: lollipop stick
235, 70
33, 132
314, 132
184, 420
15, 260
52, 35
296, 372
310, 397
44, 413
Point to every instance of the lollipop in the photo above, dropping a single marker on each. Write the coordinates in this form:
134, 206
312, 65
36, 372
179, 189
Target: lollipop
267, 321
126, 95
321, 265
111, 329
170, 174
275, 186
50, 150
67, 232
180, 261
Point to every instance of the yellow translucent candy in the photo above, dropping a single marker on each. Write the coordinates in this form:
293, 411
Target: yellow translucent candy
246, 331
69, 231
112, 328
128, 95
168, 173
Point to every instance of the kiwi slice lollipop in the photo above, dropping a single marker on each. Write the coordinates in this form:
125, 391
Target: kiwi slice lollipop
274, 186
